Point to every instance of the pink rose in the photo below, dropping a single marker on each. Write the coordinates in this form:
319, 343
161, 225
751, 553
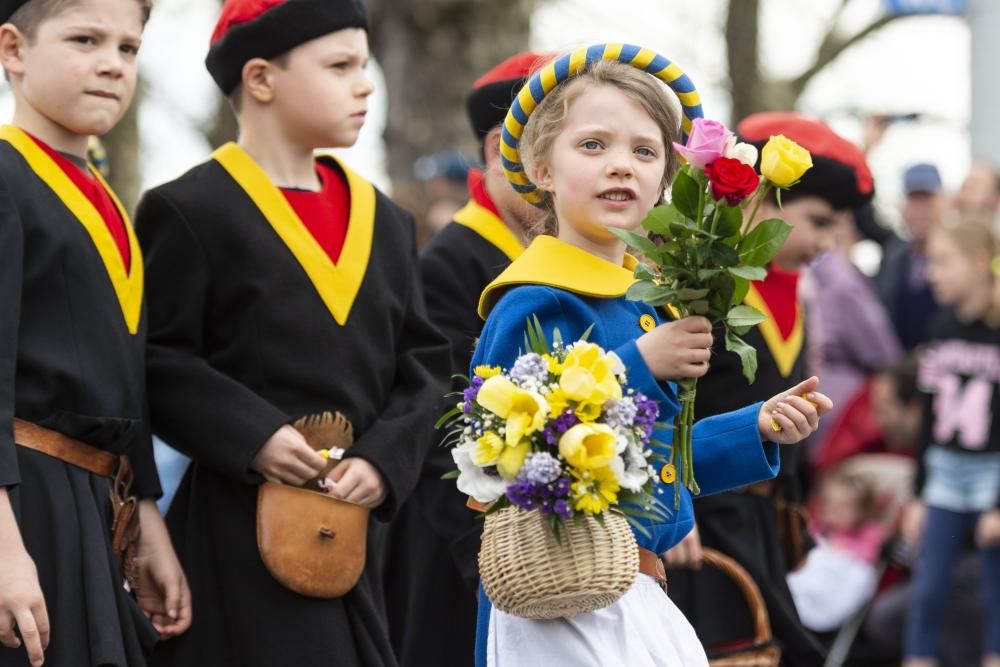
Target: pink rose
709, 140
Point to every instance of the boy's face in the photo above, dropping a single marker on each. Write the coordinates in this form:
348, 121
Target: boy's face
321, 94
605, 167
813, 225
79, 72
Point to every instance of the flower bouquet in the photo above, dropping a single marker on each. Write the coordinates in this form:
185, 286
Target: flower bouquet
703, 250
560, 450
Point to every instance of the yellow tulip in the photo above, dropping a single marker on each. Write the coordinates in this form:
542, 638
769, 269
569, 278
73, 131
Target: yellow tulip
511, 460
588, 446
488, 449
524, 411
782, 161
588, 376
595, 490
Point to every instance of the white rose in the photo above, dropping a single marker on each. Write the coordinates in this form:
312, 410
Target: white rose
745, 153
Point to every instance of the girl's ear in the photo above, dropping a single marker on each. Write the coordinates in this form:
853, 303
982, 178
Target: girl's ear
258, 80
541, 175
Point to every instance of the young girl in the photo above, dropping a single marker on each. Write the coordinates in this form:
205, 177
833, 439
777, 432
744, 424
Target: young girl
960, 490
599, 147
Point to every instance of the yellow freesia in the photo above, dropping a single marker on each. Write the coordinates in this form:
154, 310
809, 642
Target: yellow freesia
486, 372
595, 490
782, 161
511, 460
588, 446
488, 449
524, 410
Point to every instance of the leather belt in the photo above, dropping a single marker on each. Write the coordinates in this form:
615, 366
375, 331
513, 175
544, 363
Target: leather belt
651, 565
65, 448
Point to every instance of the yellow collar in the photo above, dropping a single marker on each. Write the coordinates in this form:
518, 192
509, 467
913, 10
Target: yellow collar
337, 284
784, 350
127, 285
484, 222
554, 263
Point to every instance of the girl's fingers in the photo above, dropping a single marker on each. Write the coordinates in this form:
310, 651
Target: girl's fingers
806, 409
822, 402
797, 418
29, 634
787, 426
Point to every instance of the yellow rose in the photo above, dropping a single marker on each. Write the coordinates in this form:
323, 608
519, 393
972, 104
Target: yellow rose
588, 446
524, 411
488, 448
588, 375
594, 490
782, 161
511, 460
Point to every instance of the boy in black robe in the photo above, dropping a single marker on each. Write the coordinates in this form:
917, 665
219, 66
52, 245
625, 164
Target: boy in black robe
282, 285
432, 574
72, 352
748, 525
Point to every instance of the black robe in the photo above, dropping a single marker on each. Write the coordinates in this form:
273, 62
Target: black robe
72, 360
743, 525
246, 336
433, 574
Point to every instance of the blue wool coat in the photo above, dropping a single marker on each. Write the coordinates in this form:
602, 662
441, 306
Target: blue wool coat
568, 289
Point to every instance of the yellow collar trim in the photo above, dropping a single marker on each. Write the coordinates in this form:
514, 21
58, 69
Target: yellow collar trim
785, 351
128, 285
554, 263
337, 284
484, 222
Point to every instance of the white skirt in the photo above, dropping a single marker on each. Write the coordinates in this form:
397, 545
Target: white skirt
644, 628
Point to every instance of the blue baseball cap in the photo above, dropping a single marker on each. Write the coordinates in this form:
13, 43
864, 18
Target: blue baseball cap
922, 177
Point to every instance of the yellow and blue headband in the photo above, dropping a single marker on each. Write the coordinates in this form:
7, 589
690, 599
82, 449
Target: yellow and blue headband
564, 67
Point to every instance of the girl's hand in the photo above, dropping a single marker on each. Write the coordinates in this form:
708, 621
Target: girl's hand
161, 587
357, 481
795, 412
22, 605
678, 349
287, 458
988, 529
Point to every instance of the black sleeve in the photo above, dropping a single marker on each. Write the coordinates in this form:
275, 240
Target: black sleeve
11, 266
452, 298
146, 482
201, 411
397, 441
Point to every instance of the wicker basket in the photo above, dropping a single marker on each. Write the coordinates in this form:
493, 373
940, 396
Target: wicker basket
525, 572
762, 651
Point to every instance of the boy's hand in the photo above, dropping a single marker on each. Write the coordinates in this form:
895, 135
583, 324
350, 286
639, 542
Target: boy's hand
22, 605
795, 412
678, 349
988, 529
357, 481
161, 587
911, 525
286, 457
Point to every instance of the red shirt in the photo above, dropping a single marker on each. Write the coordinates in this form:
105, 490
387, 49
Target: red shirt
96, 195
325, 213
780, 292
476, 182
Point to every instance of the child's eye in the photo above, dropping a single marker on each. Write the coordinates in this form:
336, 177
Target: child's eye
341, 65
591, 145
645, 151
129, 49
83, 39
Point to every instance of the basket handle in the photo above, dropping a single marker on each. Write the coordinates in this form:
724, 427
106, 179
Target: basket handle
747, 586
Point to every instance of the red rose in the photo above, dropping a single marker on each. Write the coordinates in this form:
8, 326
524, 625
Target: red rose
731, 180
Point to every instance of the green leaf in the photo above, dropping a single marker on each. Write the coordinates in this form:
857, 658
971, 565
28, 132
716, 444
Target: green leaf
705, 274
689, 294
685, 194
746, 353
759, 246
451, 474
698, 307
723, 255
586, 332
730, 221
639, 290
644, 272
740, 289
744, 316
660, 218
448, 416
748, 272
635, 241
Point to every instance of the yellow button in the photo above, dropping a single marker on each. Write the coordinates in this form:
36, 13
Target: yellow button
668, 473
647, 322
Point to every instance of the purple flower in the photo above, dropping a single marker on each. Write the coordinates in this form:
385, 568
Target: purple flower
540, 468
646, 413
562, 508
469, 393
620, 413
560, 425
530, 368
551, 497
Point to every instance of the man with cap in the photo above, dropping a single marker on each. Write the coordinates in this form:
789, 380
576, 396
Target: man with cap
902, 280
282, 286
80, 536
432, 574
754, 526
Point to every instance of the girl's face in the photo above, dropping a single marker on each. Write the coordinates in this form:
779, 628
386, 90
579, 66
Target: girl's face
952, 273
840, 507
605, 167
813, 223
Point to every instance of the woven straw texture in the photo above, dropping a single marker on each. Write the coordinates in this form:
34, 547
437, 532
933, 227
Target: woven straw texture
526, 573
